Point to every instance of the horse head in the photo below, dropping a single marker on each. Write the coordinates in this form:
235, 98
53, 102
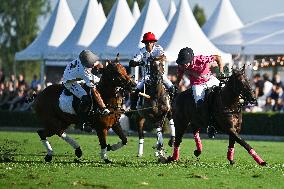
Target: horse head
115, 74
241, 86
157, 70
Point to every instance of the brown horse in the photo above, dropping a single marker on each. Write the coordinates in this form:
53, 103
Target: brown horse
225, 110
154, 105
55, 121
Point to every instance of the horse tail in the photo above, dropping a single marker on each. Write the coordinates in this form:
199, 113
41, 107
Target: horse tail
30, 99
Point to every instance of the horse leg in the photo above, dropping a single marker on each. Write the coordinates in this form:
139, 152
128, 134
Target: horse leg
233, 133
141, 122
118, 130
73, 143
173, 133
43, 134
231, 150
198, 143
102, 134
180, 128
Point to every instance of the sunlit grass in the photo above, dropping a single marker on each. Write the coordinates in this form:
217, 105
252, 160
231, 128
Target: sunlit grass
22, 165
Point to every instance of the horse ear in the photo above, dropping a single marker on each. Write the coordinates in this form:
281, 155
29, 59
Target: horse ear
117, 58
244, 68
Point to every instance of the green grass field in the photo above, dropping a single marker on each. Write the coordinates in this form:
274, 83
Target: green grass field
27, 168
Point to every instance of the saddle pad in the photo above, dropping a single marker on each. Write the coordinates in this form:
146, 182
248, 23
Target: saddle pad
65, 103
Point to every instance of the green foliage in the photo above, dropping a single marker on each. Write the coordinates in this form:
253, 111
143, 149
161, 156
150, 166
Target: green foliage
23, 165
107, 5
18, 28
199, 15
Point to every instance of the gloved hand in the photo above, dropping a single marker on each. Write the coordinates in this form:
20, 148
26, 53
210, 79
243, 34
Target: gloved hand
105, 111
132, 63
221, 75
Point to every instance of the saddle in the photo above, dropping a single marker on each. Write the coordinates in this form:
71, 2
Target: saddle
69, 103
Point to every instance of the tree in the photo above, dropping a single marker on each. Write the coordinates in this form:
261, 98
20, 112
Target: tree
199, 15
18, 28
108, 4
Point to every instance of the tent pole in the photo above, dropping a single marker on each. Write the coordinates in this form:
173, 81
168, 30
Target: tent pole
42, 74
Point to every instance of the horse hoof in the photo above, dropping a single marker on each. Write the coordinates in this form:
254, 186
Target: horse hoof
108, 147
162, 160
197, 153
107, 161
139, 155
78, 152
170, 159
263, 163
232, 162
48, 158
171, 142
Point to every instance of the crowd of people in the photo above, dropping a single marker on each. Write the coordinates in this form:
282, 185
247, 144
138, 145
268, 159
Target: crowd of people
14, 90
269, 91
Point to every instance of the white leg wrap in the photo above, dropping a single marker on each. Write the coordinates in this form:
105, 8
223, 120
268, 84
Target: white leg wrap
159, 136
172, 126
70, 141
103, 153
140, 147
47, 146
116, 146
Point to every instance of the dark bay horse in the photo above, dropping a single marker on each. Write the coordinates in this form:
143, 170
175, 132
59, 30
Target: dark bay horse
226, 114
55, 121
154, 105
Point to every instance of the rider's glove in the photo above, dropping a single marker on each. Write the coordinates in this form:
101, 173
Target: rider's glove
105, 111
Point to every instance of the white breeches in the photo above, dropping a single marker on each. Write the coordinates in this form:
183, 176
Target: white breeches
76, 89
199, 90
166, 82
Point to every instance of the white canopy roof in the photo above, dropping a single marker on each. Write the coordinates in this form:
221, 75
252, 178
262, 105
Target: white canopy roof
184, 31
223, 19
87, 28
151, 19
115, 29
233, 42
135, 11
272, 44
55, 32
101, 9
172, 10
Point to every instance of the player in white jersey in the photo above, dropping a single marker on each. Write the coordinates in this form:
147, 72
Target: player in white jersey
79, 70
146, 55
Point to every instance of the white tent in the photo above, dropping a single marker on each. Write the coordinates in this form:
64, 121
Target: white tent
223, 19
171, 12
87, 28
272, 44
136, 11
184, 31
233, 42
115, 29
55, 32
101, 9
151, 19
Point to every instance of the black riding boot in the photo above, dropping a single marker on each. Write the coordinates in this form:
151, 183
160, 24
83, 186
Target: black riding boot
133, 99
133, 102
82, 113
200, 111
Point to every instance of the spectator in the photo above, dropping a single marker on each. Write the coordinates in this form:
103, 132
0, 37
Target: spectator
34, 82
2, 76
